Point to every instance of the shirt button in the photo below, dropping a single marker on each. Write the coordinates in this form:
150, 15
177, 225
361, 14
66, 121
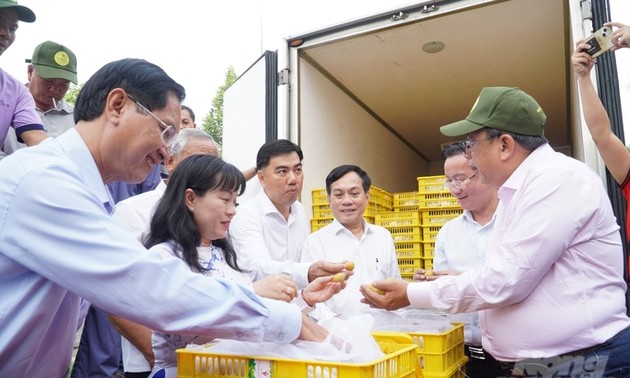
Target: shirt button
280, 336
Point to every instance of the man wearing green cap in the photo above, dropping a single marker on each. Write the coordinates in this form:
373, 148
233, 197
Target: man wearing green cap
50, 72
551, 295
18, 107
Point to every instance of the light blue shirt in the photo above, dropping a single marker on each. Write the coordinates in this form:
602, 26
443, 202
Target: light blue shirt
58, 243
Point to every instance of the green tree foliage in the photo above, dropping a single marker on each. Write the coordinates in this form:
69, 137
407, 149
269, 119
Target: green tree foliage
73, 93
213, 122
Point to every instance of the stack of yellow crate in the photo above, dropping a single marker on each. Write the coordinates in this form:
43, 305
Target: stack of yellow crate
441, 355
437, 206
379, 200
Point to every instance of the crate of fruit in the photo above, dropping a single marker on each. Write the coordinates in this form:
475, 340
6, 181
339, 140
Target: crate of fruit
400, 361
439, 353
432, 184
393, 219
439, 217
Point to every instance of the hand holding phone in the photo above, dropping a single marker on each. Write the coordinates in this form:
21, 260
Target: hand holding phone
600, 42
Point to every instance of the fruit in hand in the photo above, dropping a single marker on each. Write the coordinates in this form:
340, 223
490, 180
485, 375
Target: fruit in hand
349, 265
339, 277
428, 273
379, 291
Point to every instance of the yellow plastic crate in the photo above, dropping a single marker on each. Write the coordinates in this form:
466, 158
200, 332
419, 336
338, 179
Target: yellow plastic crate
427, 262
431, 184
439, 353
408, 249
317, 223
322, 211
429, 233
429, 200
319, 196
381, 198
408, 266
393, 219
400, 361
427, 249
439, 217
405, 199
405, 234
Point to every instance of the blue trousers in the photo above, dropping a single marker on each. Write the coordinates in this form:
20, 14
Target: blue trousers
610, 359
99, 353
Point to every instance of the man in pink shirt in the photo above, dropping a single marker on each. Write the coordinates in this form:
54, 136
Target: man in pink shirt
17, 108
551, 295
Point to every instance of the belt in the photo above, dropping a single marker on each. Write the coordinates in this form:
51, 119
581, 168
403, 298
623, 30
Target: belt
475, 352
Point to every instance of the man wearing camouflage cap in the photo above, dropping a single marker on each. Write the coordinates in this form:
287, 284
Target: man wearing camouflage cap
552, 291
51, 69
18, 108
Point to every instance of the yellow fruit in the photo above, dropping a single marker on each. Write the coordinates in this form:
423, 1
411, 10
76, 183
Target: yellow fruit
428, 273
339, 277
349, 265
379, 291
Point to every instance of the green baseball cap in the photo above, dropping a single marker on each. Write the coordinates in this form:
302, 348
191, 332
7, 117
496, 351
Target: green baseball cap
24, 14
502, 108
54, 61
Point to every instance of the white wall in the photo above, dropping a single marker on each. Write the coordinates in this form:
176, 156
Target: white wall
334, 130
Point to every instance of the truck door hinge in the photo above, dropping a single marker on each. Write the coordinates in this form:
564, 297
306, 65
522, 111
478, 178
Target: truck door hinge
587, 10
283, 76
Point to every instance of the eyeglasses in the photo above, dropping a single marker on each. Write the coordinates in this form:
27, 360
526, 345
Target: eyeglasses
459, 184
468, 145
169, 133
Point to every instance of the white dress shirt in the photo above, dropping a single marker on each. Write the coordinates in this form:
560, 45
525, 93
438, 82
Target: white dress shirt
374, 257
134, 213
58, 244
266, 243
553, 280
460, 245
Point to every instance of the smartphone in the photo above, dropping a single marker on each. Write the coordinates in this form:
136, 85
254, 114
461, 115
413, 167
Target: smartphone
599, 41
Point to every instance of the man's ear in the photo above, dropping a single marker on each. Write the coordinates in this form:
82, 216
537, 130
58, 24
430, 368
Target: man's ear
508, 146
115, 104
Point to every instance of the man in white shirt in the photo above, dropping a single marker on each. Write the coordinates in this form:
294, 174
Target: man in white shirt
269, 230
461, 244
59, 244
350, 238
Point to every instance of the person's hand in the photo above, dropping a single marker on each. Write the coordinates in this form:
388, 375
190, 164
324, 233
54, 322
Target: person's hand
582, 62
393, 297
620, 37
321, 290
276, 286
312, 331
432, 275
325, 268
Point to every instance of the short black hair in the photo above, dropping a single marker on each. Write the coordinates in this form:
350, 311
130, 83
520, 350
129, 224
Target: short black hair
453, 149
145, 81
343, 170
275, 148
190, 111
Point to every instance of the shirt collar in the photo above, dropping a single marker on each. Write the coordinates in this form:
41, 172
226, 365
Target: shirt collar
517, 178
78, 152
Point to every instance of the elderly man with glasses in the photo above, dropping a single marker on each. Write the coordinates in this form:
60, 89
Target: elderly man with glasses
552, 291
59, 243
461, 244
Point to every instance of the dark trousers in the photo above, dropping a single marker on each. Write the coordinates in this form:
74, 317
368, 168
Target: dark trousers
481, 364
137, 375
610, 359
99, 354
